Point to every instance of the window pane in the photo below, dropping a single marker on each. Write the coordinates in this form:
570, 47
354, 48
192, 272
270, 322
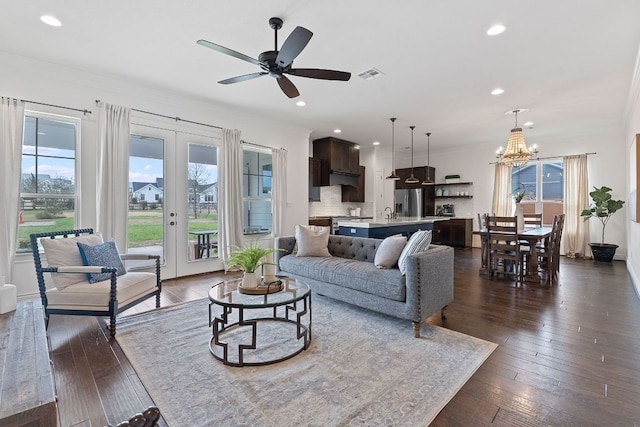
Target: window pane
552, 182
48, 168
202, 188
40, 215
256, 216
257, 173
525, 177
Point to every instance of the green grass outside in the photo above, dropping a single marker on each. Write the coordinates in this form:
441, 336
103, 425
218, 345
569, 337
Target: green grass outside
144, 229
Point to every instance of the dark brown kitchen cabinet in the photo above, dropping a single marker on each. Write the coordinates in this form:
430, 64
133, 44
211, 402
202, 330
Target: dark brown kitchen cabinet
338, 157
420, 172
453, 232
315, 179
355, 194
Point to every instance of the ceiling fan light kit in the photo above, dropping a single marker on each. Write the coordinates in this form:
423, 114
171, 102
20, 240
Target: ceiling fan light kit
276, 63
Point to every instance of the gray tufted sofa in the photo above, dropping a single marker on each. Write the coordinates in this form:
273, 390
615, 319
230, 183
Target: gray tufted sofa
349, 275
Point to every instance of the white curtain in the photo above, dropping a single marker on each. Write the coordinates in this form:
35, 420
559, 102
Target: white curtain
502, 199
230, 193
279, 194
113, 172
576, 198
11, 128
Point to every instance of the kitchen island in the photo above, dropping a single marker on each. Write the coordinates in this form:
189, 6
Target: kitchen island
383, 228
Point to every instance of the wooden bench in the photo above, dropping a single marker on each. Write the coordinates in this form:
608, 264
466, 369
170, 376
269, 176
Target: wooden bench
27, 385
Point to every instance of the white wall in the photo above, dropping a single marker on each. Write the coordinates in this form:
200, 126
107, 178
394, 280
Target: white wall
34, 80
633, 228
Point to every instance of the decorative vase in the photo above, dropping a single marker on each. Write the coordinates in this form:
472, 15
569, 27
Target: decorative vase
520, 214
249, 280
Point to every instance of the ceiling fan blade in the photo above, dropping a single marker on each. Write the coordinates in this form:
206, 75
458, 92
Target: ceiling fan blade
316, 73
287, 87
292, 46
242, 78
228, 51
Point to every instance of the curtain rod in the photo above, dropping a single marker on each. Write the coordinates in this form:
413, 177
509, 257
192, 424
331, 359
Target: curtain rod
84, 110
177, 119
261, 146
553, 157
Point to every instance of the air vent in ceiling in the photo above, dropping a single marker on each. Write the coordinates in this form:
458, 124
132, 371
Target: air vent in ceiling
370, 74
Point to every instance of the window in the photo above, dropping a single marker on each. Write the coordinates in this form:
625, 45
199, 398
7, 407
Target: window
48, 190
544, 184
256, 191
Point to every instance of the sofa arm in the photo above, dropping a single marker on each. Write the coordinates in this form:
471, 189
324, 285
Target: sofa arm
283, 246
429, 281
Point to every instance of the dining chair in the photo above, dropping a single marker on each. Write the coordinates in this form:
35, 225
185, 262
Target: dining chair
504, 247
532, 220
549, 254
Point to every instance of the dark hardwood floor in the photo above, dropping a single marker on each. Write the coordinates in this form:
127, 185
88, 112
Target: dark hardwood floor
567, 355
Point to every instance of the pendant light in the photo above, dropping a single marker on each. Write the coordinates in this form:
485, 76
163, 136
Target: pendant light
428, 180
517, 153
393, 175
412, 179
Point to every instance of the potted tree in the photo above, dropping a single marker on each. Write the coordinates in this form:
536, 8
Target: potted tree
248, 259
603, 207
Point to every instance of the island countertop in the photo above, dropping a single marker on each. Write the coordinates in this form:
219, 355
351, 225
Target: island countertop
359, 223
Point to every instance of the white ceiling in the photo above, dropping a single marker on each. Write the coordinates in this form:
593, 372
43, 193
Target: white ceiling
570, 62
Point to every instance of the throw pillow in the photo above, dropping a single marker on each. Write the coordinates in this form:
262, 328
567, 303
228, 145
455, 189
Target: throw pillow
419, 242
389, 251
312, 243
64, 253
105, 255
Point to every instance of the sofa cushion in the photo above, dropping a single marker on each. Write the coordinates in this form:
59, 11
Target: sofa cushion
64, 253
389, 251
312, 243
419, 242
359, 275
105, 255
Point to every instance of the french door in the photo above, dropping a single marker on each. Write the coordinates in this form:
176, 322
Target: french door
173, 198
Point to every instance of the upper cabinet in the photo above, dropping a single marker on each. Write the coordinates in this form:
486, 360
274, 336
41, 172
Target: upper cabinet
338, 157
355, 194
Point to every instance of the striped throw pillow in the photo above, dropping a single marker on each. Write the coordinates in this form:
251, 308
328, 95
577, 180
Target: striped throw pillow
419, 242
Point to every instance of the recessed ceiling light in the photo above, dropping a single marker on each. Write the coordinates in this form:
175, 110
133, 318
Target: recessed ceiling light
496, 29
337, 130
497, 91
51, 20
357, 147
528, 124
301, 103
376, 142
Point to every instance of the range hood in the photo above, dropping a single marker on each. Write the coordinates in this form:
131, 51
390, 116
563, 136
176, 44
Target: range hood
339, 178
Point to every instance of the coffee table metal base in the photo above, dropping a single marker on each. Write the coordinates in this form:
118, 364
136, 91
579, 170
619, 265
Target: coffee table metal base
220, 325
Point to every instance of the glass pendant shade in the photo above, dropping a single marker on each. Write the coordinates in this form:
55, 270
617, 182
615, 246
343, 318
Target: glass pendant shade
428, 180
393, 175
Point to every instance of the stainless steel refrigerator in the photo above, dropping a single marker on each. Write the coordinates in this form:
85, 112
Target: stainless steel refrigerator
409, 202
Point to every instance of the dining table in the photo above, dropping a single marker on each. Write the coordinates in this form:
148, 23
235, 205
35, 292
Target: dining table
533, 236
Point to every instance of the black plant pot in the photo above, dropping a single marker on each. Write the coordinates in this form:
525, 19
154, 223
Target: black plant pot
603, 252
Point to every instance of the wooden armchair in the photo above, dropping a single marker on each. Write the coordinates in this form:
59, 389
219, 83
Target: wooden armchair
84, 287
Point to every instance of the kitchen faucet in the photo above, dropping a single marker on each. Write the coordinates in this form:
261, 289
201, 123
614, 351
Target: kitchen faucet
391, 214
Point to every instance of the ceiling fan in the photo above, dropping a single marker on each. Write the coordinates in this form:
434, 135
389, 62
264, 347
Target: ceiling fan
277, 63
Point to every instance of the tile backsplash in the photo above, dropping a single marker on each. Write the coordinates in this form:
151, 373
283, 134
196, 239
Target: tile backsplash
331, 204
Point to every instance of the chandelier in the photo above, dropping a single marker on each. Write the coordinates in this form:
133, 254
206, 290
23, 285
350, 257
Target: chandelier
517, 153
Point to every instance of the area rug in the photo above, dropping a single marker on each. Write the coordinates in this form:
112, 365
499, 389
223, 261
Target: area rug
362, 368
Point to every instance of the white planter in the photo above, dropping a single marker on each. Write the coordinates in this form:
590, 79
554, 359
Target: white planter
249, 280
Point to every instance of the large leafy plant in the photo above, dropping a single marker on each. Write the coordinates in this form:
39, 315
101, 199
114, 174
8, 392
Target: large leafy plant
248, 258
603, 206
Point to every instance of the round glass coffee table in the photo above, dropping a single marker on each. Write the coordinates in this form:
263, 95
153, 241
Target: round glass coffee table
253, 330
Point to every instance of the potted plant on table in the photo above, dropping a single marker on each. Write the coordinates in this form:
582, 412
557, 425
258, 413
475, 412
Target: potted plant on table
603, 207
248, 259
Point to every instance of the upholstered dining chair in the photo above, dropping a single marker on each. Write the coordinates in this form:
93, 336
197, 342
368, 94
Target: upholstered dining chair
87, 277
503, 247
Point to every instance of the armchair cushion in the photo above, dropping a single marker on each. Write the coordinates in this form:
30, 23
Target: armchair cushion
64, 252
105, 255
